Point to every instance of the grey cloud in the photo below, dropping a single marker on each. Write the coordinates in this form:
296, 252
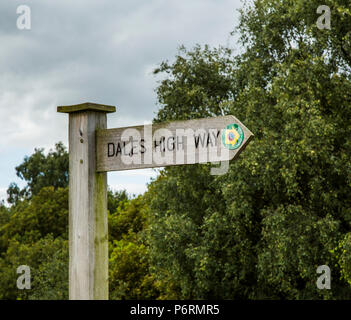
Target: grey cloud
101, 51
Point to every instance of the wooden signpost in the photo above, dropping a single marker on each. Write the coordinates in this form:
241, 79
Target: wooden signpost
94, 150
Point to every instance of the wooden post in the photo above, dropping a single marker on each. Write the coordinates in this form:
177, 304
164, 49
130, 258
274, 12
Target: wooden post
88, 230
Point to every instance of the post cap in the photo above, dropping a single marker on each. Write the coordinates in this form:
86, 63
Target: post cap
87, 106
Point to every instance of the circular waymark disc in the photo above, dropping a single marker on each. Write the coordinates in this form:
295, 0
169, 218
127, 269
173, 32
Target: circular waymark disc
232, 136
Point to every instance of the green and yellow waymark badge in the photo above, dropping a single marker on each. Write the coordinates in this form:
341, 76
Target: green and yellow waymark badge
233, 136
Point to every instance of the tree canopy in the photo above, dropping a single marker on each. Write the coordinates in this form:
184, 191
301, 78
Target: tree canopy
283, 209
39, 171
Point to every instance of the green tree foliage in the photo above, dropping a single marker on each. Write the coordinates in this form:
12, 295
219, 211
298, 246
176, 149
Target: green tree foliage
34, 229
34, 232
48, 262
200, 82
46, 213
39, 171
36, 235
129, 274
115, 199
129, 216
261, 230
50, 280
4, 214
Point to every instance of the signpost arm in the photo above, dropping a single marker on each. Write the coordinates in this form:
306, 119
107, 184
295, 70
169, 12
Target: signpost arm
88, 230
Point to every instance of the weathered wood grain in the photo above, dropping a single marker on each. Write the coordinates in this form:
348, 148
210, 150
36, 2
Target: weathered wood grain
88, 229
87, 106
147, 153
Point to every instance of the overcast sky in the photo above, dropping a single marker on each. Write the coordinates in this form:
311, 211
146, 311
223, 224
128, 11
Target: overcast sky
100, 51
